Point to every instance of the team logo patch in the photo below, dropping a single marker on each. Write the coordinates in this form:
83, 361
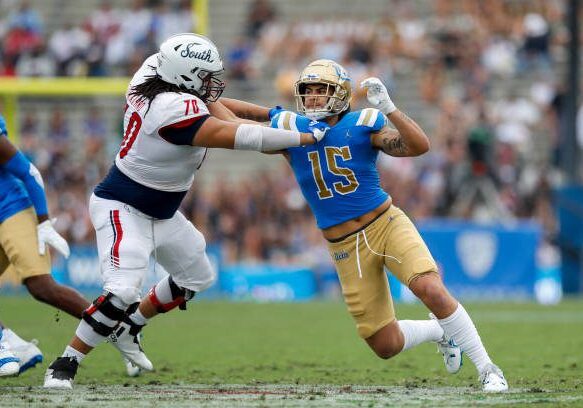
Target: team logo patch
477, 251
340, 255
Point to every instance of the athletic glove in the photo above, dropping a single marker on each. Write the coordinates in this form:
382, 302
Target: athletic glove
377, 95
318, 130
47, 235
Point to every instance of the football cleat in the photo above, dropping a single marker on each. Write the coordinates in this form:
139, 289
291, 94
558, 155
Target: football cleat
132, 369
452, 355
9, 363
61, 373
126, 338
451, 352
29, 355
492, 379
26, 351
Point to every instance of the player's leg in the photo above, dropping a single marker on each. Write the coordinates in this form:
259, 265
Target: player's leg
366, 293
181, 251
19, 255
458, 325
418, 270
44, 289
124, 243
18, 237
407, 257
9, 363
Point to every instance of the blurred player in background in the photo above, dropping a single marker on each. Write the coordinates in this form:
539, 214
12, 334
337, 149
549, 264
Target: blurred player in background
134, 210
364, 230
25, 231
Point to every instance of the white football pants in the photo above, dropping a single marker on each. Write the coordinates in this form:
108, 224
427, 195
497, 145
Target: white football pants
126, 238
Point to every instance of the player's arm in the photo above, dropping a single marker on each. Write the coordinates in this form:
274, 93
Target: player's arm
196, 127
17, 164
247, 110
220, 111
408, 139
246, 136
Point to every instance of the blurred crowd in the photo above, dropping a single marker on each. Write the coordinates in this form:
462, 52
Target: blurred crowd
494, 147
108, 42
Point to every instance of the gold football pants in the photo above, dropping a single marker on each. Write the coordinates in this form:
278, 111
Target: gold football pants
390, 241
19, 255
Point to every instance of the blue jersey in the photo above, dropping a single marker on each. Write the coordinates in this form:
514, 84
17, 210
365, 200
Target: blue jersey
338, 175
13, 196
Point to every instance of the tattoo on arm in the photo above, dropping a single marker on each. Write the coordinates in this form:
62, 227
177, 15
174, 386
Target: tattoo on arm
395, 146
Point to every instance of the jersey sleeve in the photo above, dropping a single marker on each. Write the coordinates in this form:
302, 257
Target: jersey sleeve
371, 118
180, 117
288, 120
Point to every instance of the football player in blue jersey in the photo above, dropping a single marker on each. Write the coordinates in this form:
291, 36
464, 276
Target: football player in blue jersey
25, 232
365, 231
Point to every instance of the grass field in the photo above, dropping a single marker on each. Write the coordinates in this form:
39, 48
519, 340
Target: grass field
265, 355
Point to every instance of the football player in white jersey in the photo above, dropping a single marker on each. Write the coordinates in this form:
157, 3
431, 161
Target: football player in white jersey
134, 210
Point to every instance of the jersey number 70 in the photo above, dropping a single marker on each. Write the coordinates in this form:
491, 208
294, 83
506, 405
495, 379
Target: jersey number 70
341, 187
130, 134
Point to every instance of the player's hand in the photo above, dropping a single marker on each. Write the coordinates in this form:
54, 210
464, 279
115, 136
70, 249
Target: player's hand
318, 130
47, 235
377, 95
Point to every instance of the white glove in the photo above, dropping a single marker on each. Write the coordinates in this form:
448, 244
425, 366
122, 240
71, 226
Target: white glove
318, 130
377, 95
47, 235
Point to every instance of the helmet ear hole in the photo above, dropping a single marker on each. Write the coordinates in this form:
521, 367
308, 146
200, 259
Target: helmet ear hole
187, 79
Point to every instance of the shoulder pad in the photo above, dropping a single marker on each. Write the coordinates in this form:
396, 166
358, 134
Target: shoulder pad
369, 117
170, 107
286, 120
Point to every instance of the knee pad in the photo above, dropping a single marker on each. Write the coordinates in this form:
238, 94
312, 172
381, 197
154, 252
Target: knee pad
104, 314
167, 295
127, 295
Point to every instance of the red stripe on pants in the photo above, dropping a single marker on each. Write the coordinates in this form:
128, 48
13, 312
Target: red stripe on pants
118, 236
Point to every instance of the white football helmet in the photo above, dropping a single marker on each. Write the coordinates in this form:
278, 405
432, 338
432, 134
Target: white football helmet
334, 76
193, 63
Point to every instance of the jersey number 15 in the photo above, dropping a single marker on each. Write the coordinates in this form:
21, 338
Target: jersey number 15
347, 186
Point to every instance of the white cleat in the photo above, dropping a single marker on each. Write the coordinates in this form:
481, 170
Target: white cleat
492, 379
452, 355
61, 373
132, 369
9, 363
126, 338
29, 355
26, 351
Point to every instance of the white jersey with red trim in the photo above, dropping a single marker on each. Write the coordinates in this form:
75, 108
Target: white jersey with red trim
145, 156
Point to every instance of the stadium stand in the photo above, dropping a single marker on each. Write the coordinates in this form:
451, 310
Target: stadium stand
490, 102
